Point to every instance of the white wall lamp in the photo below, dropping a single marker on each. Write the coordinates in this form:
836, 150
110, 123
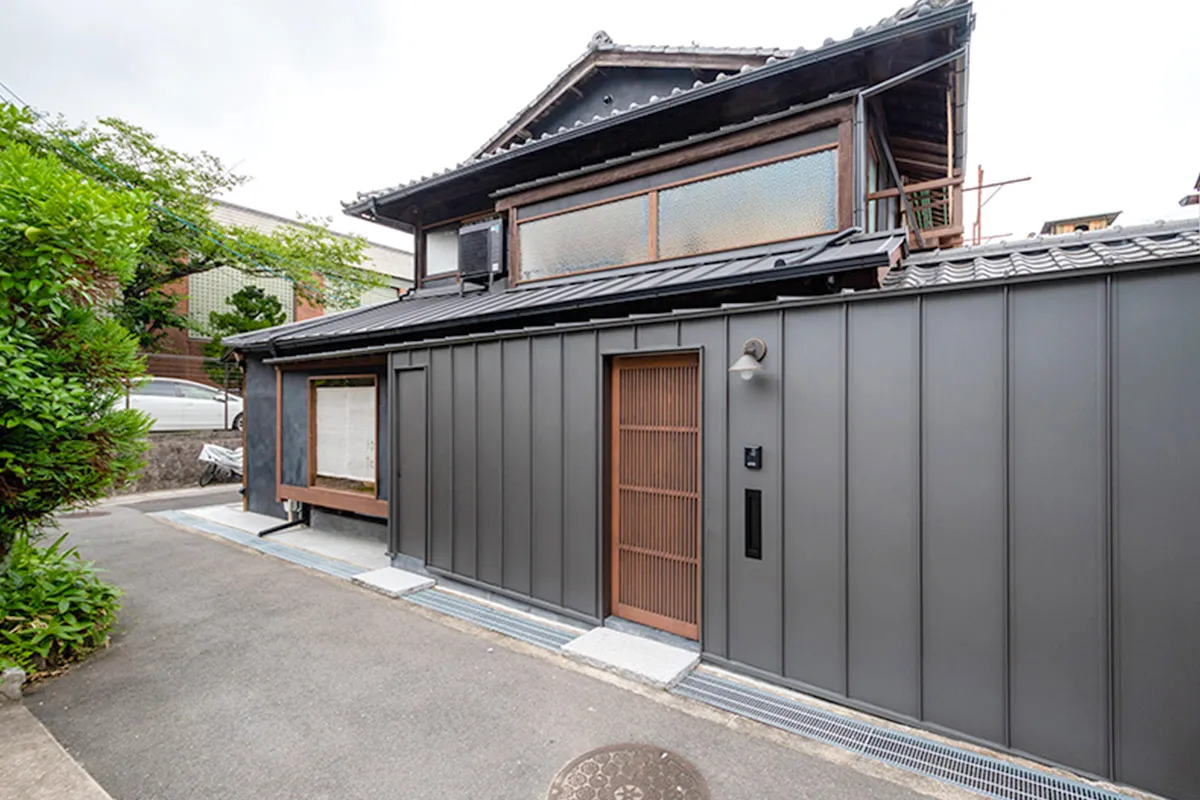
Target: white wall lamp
749, 362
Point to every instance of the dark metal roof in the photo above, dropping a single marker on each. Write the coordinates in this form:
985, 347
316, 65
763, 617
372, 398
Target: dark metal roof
1107, 247
906, 20
696, 138
421, 313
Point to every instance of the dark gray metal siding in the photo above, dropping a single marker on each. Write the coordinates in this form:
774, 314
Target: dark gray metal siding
979, 509
260, 439
1058, 547
1156, 549
489, 465
407, 510
814, 452
964, 513
755, 603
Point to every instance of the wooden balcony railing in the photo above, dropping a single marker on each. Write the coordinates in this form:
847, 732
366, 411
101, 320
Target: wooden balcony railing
931, 211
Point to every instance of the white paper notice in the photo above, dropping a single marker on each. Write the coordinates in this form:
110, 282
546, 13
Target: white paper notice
346, 432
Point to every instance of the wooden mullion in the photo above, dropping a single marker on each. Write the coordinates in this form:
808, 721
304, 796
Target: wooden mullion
652, 224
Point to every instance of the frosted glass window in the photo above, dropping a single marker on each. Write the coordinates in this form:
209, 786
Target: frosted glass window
776, 201
441, 251
599, 236
345, 434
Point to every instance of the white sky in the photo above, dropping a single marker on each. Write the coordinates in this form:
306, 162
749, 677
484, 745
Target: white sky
316, 100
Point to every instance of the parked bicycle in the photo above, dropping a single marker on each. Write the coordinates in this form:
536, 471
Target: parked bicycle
220, 463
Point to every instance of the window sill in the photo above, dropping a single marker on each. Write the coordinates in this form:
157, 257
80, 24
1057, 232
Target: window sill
332, 498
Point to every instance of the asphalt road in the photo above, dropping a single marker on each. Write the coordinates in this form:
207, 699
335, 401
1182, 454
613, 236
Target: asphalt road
236, 675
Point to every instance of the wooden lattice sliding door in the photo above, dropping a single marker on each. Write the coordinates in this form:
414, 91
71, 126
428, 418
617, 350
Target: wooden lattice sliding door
656, 491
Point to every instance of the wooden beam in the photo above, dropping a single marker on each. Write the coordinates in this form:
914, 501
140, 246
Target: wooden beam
780, 129
937, 168
918, 146
940, 183
881, 131
845, 174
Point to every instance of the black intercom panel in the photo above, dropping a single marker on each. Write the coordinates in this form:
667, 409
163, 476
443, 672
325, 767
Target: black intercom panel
752, 456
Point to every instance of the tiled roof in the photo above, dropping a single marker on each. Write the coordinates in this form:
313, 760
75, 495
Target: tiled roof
430, 311
1107, 247
602, 43
905, 16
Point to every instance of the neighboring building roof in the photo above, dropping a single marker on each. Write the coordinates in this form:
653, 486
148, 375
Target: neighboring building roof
1109, 218
432, 310
1107, 247
391, 261
904, 21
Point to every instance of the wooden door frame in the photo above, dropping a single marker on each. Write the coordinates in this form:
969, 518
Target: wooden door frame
662, 357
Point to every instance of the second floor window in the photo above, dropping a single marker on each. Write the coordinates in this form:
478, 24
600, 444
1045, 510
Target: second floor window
785, 198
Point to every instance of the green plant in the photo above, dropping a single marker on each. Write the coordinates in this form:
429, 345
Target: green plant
117, 154
53, 607
67, 245
251, 309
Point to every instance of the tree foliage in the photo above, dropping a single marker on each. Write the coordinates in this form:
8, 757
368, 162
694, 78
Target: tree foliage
67, 246
251, 309
324, 267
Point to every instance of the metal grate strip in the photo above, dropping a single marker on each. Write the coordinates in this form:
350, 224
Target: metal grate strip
520, 627
979, 773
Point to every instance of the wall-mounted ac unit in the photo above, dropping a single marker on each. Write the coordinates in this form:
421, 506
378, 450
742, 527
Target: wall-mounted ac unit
481, 251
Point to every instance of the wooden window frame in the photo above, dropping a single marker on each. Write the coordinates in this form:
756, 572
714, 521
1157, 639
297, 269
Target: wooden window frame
355, 502
652, 214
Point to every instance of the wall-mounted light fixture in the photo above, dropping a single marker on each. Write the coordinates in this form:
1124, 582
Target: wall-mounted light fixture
748, 363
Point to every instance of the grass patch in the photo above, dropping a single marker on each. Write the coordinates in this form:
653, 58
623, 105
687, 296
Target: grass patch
54, 609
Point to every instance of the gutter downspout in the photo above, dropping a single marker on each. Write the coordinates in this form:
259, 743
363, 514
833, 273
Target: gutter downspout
860, 125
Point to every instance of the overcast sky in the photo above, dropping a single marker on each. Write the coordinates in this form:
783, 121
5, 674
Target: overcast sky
316, 100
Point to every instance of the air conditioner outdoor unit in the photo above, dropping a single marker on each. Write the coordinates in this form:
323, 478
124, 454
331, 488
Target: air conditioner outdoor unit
481, 251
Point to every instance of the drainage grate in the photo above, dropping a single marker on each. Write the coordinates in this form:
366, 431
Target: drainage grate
551, 637
963, 768
330, 566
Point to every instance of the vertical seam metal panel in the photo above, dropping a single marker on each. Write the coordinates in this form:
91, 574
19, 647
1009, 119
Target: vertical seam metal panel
598, 427
475, 445
1108, 584
920, 506
780, 482
846, 498
529, 408
450, 455
562, 467
728, 539
501, 532
1007, 388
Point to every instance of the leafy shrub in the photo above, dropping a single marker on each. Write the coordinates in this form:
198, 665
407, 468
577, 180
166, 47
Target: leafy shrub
53, 607
67, 245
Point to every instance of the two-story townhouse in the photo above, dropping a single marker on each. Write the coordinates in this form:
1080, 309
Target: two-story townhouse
694, 345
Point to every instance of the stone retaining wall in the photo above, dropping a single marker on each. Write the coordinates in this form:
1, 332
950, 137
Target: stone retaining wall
172, 463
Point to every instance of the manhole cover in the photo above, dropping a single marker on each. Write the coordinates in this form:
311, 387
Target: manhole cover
78, 514
629, 772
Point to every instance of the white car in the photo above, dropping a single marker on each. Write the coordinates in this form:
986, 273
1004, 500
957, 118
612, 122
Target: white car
179, 405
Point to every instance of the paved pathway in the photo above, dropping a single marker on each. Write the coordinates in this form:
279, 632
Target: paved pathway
237, 675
